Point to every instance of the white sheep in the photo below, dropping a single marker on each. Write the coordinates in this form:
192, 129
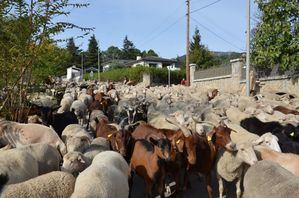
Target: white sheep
18, 165
75, 162
269, 179
50, 185
47, 157
230, 166
65, 104
107, 176
17, 134
80, 110
288, 161
76, 138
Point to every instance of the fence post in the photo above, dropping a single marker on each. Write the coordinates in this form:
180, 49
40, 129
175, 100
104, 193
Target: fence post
192, 71
146, 79
237, 67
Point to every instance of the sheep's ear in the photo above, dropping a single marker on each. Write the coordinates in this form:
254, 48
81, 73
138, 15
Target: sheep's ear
80, 159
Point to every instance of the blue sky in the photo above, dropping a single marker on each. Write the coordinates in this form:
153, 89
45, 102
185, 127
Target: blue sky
161, 24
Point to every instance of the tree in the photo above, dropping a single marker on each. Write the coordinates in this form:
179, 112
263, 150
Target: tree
112, 53
199, 54
92, 52
276, 37
129, 51
25, 37
150, 52
73, 50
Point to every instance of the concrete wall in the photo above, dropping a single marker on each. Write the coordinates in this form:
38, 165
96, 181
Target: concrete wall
234, 83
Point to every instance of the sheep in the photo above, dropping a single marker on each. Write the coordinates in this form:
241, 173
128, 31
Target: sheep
47, 157
75, 162
97, 146
18, 165
35, 119
269, 179
230, 167
16, 134
235, 115
50, 185
76, 138
80, 109
107, 176
86, 99
96, 115
288, 161
65, 103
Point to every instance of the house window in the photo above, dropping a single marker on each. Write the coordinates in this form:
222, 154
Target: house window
152, 64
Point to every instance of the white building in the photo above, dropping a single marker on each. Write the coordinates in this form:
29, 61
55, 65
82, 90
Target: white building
73, 73
156, 62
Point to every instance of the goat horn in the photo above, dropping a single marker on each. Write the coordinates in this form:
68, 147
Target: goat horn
183, 128
207, 122
116, 126
138, 122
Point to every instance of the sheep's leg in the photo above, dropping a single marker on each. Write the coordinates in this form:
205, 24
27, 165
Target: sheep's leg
238, 186
209, 186
220, 183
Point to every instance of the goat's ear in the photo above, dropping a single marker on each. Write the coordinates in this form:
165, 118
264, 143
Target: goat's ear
80, 159
257, 141
97, 120
152, 140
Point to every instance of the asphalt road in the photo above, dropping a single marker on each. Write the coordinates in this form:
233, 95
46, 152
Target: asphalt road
198, 188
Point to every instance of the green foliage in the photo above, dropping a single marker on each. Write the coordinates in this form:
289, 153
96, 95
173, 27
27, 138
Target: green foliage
148, 53
159, 75
74, 56
129, 51
276, 37
25, 41
92, 52
112, 53
199, 54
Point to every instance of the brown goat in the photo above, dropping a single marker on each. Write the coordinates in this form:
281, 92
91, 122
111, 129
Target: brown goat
206, 150
285, 110
148, 161
113, 134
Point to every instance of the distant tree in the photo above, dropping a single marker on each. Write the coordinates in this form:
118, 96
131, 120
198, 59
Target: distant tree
129, 51
73, 50
276, 38
199, 54
150, 52
92, 52
112, 53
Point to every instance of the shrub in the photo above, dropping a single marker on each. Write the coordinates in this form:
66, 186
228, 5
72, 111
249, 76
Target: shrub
159, 75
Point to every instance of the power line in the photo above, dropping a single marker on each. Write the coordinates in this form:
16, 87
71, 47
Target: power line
196, 10
161, 23
161, 32
219, 27
215, 34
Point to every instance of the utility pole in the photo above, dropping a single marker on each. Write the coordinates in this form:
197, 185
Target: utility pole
82, 68
99, 77
187, 44
248, 51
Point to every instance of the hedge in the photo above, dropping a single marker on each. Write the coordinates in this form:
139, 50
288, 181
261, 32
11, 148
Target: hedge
159, 75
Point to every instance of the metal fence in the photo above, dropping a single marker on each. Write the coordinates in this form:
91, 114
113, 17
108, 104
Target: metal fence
213, 72
271, 72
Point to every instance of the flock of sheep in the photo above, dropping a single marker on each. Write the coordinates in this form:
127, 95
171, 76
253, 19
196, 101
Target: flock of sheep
38, 161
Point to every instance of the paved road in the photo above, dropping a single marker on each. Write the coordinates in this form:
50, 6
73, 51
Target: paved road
198, 188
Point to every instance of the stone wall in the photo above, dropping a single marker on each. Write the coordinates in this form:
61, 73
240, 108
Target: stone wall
235, 82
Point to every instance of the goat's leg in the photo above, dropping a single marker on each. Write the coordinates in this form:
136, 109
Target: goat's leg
209, 186
148, 188
238, 188
220, 183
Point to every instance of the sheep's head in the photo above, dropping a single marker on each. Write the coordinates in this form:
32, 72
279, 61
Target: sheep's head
74, 162
79, 144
